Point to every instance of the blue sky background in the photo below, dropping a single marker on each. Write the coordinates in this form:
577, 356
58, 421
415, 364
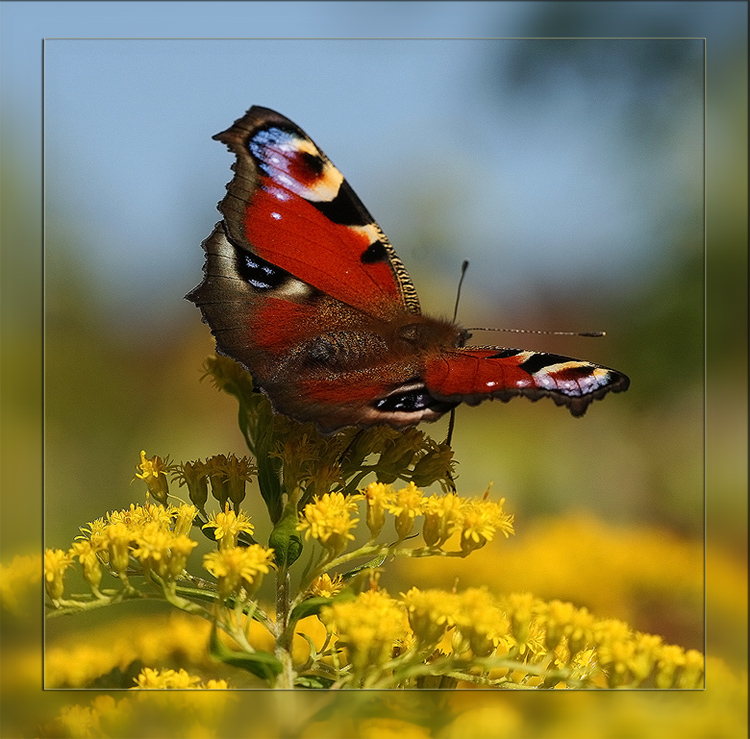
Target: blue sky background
537, 181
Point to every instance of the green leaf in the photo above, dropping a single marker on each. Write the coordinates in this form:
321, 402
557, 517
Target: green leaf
261, 664
269, 469
285, 539
372, 564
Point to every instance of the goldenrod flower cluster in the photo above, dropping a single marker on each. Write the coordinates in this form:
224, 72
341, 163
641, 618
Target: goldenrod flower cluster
330, 519
331, 625
474, 636
152, 542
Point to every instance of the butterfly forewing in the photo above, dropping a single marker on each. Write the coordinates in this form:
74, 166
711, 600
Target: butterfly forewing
291, 207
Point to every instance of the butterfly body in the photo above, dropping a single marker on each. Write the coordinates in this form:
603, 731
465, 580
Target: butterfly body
304, 289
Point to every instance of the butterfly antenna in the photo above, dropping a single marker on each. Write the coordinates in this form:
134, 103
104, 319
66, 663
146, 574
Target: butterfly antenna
464, 267
589, 334
452, 421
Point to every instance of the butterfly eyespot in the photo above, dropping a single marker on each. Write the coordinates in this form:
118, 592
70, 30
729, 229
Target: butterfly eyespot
413, 399
260, 274
374, 253
266, 140
313, 163
410, 401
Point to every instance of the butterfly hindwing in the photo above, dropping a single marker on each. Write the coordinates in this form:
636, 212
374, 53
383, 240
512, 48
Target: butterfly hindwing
473, 374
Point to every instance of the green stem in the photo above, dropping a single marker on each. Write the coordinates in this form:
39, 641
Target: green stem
284, 635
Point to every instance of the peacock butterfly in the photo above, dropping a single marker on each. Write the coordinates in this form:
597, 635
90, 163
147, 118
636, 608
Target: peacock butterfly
303, 288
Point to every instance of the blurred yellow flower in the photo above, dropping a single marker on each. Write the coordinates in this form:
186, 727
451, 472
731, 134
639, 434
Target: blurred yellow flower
326, 586
56, 561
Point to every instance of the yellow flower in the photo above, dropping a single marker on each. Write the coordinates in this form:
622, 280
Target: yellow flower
442, 514
184, 517
153, 471
431, 613
557, 618
647, 647
117, 538
328, 520
369, 628
480, 623
228, 526
521, 607
481, 519
137, 515
150, 679
670, 658
151, 548
94, 532
239, 567
693, 668
580, 631
87, 556
179, 550
565, 620
378, 496
326, 587
615, 649
406, 506
56, 561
